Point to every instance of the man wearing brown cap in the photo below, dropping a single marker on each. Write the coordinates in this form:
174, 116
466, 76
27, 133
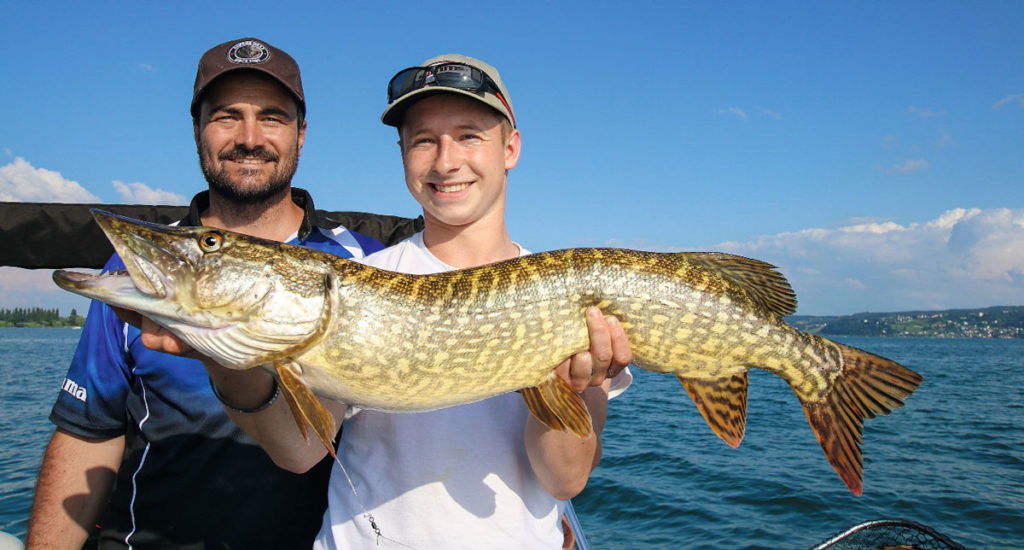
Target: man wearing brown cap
482, 475
143, 429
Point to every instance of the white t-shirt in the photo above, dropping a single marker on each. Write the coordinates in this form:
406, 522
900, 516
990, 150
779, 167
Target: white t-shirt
454, 478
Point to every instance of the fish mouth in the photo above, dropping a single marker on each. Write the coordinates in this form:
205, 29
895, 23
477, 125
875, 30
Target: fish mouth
109, 283
151, 253
155, 258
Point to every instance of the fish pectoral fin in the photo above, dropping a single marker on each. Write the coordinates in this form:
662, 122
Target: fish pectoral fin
868, 385
535, 403
555, 404
723, 403
305, 406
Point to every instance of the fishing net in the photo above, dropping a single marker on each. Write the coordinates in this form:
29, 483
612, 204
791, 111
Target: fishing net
889, 534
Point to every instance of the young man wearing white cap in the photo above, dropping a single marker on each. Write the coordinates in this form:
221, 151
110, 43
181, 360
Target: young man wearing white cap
489, 473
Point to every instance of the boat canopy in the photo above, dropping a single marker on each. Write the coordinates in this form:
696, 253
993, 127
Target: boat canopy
64, 235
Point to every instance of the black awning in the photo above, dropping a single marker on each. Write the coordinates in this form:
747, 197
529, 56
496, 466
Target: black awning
61, 235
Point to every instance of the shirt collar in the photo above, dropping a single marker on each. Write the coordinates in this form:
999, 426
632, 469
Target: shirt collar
301, 197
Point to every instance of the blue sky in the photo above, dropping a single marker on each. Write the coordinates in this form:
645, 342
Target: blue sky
874, 151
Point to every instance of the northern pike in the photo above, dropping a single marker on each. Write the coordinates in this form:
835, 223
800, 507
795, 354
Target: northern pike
405, 343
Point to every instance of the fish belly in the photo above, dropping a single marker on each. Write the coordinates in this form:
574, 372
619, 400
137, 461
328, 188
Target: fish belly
392, 358
697, 335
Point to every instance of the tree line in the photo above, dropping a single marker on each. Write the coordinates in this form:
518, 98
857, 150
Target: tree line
989, 322
38, 317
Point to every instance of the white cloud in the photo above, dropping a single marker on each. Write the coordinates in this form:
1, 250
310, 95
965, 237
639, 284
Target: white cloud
146, 67
924, 113
21, 182
35, 288
26, 280
743, 114
1014, 99
735, 111
908, 166
860, 220
962, 258
140, 193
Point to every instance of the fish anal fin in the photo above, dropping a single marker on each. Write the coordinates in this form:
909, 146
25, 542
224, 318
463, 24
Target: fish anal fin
305, 407
868, 385
555, 404
723, 403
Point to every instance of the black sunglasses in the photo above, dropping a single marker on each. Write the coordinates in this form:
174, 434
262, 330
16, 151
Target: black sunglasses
459, 76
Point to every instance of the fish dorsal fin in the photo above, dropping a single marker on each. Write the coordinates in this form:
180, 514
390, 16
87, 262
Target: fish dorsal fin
305, 406
759, 281
723, 403
555, 404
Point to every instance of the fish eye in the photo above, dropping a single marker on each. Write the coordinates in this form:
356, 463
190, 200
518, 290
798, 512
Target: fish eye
210, 241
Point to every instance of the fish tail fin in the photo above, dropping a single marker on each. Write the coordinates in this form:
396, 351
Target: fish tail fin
555, 404
868, 385
306, 408
723, 403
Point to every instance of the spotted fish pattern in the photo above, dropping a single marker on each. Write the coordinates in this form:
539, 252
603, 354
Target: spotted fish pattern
405, 343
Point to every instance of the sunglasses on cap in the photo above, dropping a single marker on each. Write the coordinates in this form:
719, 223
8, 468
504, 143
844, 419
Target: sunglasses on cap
459, 76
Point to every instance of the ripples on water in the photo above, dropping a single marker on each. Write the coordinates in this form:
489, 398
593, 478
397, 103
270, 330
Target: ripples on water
952, 458
33, 362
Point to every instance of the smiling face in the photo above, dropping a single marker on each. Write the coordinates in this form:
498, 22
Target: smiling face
456, 158
249, 137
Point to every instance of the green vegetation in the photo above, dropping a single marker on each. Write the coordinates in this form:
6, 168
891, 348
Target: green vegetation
990, 322
38, 317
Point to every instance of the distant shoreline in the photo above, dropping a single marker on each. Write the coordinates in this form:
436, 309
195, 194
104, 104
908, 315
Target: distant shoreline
988, 322
77, 327
38, 317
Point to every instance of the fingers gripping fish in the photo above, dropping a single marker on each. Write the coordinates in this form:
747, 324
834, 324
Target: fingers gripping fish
407, 343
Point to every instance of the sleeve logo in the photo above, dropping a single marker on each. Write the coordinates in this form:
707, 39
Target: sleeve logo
76, 391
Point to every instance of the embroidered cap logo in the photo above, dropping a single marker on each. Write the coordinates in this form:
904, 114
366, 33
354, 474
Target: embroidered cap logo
248, 52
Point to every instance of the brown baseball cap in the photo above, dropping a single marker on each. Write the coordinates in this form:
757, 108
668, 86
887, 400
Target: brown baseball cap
416, 85
249, 54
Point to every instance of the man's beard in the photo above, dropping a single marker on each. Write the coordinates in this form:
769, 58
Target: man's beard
234, 191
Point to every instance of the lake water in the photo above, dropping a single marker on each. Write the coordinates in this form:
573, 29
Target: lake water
33, 362
952, 458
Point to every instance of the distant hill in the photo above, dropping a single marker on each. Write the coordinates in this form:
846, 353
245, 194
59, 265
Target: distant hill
989, 322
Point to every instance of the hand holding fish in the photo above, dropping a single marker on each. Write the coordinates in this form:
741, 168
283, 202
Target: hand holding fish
154, 336
608, 355
561, 460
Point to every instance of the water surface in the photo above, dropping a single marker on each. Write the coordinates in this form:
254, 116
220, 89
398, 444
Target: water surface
953, 458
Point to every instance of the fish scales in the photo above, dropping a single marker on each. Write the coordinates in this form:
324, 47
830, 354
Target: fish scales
533, 308
407, 343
